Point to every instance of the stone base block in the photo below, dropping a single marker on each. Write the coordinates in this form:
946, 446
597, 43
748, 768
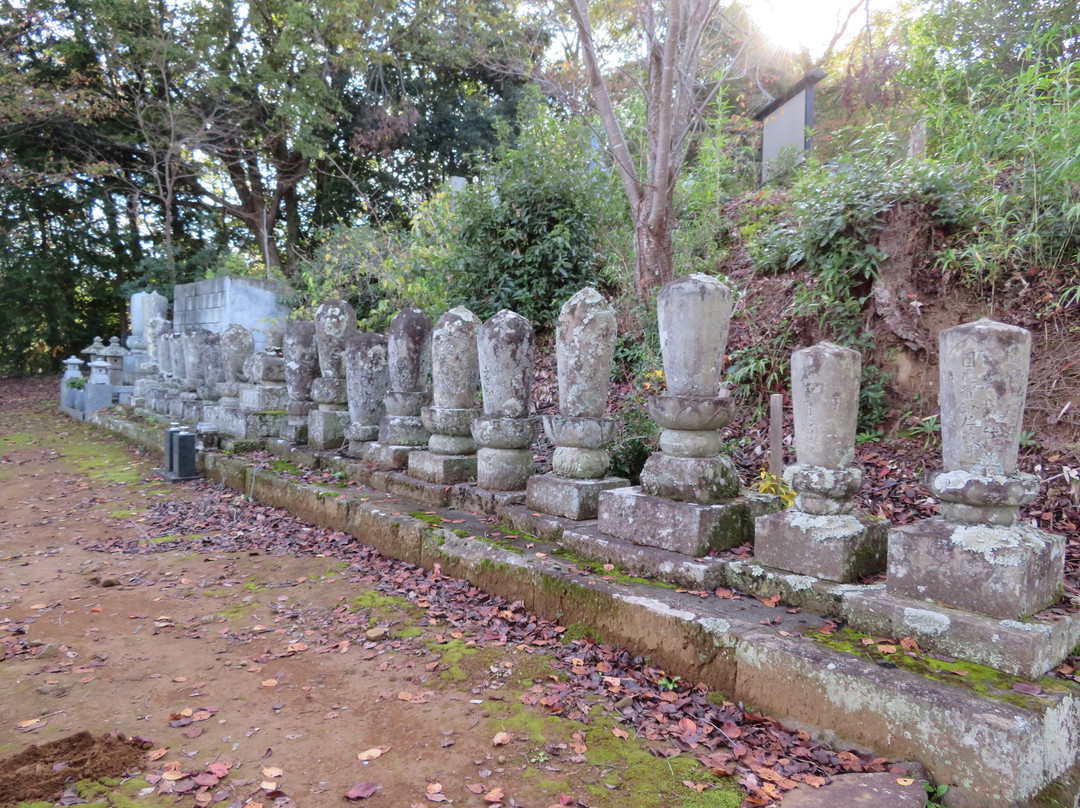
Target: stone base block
435, 468
470, 497
840, 548
504, 469
295, 429
403, 430
362, 433
326, 429
1008, 572
682, 527
191, 410
571, 499
1028, 649
261, 398
706, 480
387, 456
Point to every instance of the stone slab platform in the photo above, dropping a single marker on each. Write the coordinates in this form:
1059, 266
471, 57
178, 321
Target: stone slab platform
1026, 747
1027, 649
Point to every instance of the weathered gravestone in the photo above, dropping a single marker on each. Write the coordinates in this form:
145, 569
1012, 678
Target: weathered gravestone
977, 556
401, 430
455, 379
301, 364
584, 347
821, 535
367, 379
335, 322
505, 432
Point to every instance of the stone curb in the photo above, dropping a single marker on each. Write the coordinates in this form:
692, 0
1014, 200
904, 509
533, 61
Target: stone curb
993, 753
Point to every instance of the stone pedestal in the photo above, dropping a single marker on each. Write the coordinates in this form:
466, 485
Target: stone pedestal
840, 547
689, 528
570, 499
821, 535
451, 455
977, 556
1003, 571
326, 424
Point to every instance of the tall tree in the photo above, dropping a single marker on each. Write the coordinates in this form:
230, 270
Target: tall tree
673, 34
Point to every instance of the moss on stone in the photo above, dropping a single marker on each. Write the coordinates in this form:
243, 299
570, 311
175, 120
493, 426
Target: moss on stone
285, 467
614, 573
432, 519
577, 631
970, 676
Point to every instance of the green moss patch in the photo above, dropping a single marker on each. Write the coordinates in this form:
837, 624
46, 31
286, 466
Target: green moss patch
625, 774
979, 679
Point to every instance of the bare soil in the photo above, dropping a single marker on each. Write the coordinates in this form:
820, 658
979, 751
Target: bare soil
252, 677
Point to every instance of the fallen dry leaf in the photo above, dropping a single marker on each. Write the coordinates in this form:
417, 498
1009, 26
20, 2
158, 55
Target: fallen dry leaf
361, 791
619, 733
269, 682
373, 753
501, 739
272, 771
495, 795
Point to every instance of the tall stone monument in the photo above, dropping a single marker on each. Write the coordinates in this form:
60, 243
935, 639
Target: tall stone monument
821, 535
335, 322
977, 555
301, 365
401, 430
367, 379
689, 500
455, 379
505, 432
584, 347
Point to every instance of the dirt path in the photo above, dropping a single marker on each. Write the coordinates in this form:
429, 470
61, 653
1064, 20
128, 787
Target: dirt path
258, 680
252, 659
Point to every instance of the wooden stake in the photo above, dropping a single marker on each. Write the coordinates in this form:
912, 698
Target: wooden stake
776, 435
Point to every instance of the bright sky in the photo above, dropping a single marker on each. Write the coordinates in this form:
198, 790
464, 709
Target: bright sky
793, 24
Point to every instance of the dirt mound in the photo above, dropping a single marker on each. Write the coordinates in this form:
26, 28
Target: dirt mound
42, 772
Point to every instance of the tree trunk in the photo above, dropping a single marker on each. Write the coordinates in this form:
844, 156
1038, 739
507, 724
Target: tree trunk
652, 248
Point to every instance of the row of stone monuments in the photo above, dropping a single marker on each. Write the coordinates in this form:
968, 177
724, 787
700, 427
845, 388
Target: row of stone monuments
451, 404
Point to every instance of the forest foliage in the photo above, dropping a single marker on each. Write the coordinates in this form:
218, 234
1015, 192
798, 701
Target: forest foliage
313, 141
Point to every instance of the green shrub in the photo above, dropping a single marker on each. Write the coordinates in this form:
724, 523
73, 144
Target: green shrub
526, 230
